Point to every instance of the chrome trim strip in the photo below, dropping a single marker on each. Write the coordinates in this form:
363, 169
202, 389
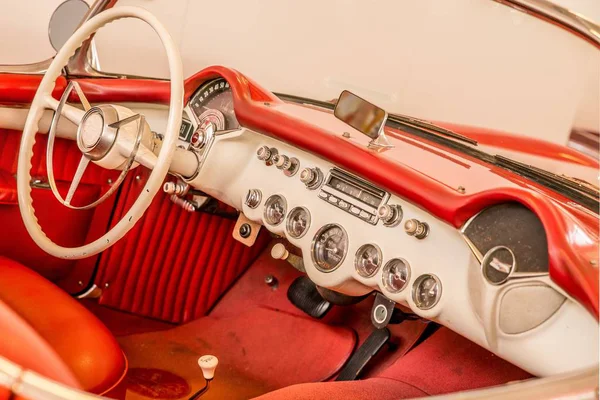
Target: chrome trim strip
560, 16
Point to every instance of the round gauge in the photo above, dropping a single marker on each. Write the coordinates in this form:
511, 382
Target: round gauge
395, 275
298, 222
329, 247
427, 291
498, 264
275, 209
368, 260
213, 104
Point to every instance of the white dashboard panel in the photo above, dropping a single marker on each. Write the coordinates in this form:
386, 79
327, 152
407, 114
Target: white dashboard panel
232, 168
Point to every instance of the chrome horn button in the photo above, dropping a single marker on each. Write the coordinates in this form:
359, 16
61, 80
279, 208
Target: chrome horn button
95, 135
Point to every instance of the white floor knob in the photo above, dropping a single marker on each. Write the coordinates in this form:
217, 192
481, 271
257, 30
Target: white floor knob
208, 364
279, 252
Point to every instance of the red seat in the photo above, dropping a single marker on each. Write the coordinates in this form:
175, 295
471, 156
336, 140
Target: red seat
77, 337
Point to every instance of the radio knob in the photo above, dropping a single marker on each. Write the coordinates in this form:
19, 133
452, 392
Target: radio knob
390, 215
264, 153
416, 228
311, 177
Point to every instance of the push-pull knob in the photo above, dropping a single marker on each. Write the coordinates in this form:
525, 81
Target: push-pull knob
279, 252
288, 165
208, 364
263, 153
391, 215
267, 154
282, 161
311, 177
416, 228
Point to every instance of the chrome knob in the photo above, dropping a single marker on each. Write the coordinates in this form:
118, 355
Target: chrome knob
391, 215
264, 153
416, 228
198, 139
253, 198
282, 161
311, 177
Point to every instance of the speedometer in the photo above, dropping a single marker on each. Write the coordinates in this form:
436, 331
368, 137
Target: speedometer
213, 104
329, 247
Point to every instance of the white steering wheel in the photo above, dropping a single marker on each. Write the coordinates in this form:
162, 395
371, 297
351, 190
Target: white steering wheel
106, 135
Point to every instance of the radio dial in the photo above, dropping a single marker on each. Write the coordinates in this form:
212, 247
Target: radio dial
311, 177
390, 215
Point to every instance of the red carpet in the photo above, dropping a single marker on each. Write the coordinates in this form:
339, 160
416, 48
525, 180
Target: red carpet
259, 350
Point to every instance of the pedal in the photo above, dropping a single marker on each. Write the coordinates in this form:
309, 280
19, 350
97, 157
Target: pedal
364, 354
304, 295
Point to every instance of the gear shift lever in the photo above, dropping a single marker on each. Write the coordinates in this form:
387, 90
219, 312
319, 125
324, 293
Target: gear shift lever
207, 364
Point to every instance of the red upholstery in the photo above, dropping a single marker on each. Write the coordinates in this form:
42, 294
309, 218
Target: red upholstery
15, 242
80, 340
8, 188
178, 263
39, 357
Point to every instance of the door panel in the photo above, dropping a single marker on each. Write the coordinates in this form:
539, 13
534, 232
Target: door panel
65, 226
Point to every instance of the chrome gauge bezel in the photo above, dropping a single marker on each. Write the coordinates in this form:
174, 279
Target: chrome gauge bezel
289, 221
314, 242
360, 251
386, 270
268, 203
418, 282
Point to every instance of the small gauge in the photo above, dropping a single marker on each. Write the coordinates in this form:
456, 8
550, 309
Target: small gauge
427, 291
275, 209
395, 275
368, 260
298, 222
329, 247
498, 264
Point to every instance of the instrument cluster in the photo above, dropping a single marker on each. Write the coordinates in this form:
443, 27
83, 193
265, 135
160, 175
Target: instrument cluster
366, 204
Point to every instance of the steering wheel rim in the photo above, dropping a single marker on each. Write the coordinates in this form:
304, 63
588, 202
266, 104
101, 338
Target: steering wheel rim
43, 100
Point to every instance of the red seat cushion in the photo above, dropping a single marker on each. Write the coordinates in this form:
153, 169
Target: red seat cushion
83, 343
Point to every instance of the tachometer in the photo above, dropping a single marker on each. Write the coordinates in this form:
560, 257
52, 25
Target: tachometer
329, 247
213, 104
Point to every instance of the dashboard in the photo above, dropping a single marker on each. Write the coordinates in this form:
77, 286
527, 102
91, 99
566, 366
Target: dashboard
488, 281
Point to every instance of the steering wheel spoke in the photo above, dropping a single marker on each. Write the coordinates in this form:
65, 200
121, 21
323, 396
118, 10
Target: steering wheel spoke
83, 163
73, 114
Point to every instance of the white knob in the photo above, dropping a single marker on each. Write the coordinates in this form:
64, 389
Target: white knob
279, 252
208, 364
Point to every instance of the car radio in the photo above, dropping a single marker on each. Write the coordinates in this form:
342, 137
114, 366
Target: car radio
353, 195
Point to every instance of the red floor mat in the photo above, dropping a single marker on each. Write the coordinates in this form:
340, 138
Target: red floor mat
447, 362
444, 363
251, 291
259, 350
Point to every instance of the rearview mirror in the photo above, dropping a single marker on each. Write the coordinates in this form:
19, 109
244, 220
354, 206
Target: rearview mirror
363, 116
65, 20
